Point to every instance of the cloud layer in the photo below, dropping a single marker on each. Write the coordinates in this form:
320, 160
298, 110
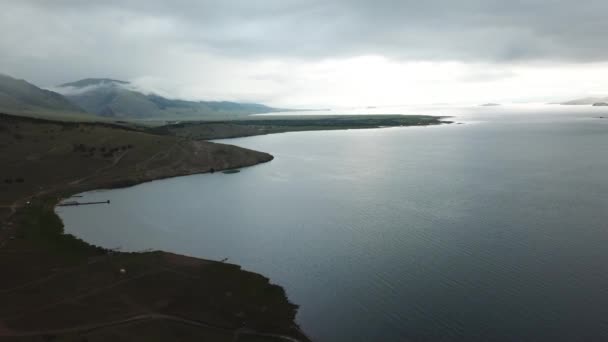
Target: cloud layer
254, 50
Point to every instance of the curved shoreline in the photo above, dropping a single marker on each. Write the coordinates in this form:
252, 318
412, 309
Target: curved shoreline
50, 201
136, 158
72, 273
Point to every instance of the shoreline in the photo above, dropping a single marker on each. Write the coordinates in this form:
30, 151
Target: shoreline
160, 157
37, 252
51, 200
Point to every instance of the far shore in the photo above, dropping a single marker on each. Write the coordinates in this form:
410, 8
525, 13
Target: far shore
213, 130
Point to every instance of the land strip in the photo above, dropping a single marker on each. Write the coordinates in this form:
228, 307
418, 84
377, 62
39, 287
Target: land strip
57, 287
260, 125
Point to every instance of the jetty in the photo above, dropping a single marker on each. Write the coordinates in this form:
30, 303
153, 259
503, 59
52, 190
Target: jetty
75, 203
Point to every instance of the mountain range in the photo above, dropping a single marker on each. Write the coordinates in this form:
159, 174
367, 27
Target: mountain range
113, 99
21, 97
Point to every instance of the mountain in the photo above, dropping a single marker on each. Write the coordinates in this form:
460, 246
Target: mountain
586, 101
87, 82
121, 99
113, 99
20, 97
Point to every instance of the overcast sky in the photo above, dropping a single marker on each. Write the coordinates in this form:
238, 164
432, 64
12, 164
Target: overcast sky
316, 53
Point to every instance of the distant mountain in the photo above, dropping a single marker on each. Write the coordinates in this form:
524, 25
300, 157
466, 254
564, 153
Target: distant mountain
113, 99
20, 97
120, 99
586, 101
600, 104
92, 82
490, 105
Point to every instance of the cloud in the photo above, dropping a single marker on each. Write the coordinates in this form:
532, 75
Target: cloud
254, 50
492, 30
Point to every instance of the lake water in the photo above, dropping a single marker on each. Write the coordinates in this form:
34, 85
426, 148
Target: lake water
496, 229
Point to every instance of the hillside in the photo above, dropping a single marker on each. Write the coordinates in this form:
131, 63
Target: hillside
120, 99
20, 97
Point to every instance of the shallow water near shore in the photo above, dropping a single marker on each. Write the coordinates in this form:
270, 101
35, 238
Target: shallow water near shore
491, 230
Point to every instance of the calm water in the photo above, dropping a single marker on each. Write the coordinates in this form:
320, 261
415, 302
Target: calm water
492, 230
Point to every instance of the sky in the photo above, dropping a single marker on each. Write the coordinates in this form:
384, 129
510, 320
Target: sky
316, 53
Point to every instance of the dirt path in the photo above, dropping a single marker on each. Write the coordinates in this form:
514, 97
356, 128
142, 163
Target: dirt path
99, 171
165, 153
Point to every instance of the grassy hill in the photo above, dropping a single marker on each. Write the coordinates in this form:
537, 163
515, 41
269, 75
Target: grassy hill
20, 97
120, 99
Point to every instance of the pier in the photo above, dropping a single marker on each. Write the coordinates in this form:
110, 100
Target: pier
75, 203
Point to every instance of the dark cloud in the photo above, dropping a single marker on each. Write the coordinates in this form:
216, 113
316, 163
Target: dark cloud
466, 29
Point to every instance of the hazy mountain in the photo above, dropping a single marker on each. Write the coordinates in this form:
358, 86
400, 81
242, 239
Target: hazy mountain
120, 99
92, 82
21, 97
586, 101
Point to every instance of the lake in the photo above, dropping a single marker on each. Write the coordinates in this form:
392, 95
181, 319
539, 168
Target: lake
495, 229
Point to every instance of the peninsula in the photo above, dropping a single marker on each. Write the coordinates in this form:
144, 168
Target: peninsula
260, 125
56, 286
